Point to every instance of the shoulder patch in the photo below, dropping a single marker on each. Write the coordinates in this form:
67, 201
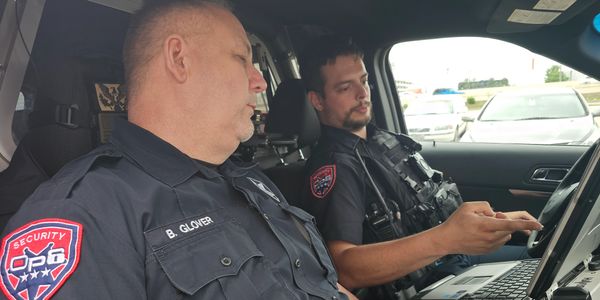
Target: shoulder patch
263, 187
322, 181
37, 258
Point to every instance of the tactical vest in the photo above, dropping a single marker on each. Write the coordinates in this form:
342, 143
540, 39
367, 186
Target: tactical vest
432, 199
435, 199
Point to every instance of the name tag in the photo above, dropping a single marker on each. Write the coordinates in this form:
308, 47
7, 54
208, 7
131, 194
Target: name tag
172, 232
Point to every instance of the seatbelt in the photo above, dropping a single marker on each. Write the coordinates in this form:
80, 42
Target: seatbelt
391, 288
388, 212
67, 115
301, 228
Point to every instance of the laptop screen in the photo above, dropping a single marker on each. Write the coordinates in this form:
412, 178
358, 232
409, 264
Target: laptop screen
578, 231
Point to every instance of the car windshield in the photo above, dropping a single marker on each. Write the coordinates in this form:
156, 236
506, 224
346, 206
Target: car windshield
510, 107
429, 108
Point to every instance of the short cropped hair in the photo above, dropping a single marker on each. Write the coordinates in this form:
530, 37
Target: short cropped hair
320, 52
146, 31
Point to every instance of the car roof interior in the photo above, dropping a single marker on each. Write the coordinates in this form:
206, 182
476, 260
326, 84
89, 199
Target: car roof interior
380, 24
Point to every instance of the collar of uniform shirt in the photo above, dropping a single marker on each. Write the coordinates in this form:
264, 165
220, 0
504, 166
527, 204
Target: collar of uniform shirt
346, 139
155, 156
229, 168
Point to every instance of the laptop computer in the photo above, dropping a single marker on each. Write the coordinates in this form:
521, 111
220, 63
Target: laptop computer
563, 264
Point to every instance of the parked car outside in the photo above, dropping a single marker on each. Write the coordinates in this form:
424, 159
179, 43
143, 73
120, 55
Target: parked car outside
437, 118
553, 115
446, 91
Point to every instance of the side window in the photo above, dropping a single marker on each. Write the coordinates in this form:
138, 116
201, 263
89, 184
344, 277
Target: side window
257, 147
21, 115
263, 62
489, 91
262, 100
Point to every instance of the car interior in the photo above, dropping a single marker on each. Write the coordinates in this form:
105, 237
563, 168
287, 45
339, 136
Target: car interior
61, 85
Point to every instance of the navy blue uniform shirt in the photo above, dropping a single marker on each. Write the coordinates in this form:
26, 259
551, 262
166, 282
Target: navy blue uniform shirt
138, 219
338, 193
337, 190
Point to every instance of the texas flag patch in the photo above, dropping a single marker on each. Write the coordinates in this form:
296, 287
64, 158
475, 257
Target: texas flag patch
37, 258
322, 181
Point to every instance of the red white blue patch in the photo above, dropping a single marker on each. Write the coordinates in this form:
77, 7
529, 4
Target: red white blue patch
37, 258
322, 181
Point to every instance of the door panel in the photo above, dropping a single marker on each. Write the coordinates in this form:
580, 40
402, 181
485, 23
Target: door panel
502, 173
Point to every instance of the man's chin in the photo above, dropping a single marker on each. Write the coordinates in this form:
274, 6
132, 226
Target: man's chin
245, 139
247, 135
354, 125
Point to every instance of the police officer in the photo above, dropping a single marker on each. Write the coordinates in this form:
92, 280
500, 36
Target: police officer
361, 179
160, 212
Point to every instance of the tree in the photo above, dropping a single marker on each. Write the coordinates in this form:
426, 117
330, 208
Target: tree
555, 74
474, 84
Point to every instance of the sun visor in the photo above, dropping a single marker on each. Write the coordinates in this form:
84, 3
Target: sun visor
514, 16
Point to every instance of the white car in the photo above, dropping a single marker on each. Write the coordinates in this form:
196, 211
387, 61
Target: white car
437, 118
535, 116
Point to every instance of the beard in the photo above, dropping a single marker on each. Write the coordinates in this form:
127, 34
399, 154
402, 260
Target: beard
354, 124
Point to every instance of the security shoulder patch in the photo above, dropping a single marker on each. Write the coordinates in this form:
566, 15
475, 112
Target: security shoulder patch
322, 181
37, 258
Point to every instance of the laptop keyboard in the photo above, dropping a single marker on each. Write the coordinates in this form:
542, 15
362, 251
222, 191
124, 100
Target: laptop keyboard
512, 285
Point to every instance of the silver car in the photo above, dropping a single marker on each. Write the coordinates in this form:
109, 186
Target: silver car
555, 115
437, 118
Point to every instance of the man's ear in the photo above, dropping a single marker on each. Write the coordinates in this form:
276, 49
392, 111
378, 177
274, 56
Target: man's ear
175, 54
316, 100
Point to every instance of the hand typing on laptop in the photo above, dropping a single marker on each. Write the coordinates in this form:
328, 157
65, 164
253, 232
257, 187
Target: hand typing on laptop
516, 215
474, 228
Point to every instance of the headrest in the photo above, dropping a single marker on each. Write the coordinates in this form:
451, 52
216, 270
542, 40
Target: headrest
65, 85
291, 113
60, 125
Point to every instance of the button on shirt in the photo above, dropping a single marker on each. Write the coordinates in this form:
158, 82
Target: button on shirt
157, 224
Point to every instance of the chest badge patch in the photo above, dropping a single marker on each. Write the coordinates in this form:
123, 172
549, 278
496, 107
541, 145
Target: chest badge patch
263, 187
322, 181
36, 259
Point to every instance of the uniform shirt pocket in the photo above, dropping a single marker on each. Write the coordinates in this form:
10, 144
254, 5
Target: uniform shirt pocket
311, 233
201, 258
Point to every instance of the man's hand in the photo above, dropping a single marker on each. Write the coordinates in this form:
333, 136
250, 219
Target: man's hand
516, 215
474, 228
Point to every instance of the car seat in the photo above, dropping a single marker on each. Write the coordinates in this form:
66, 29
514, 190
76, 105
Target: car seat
291, 121
62, 127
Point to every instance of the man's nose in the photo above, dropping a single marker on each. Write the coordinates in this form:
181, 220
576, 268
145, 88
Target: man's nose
256, 81
363, 91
